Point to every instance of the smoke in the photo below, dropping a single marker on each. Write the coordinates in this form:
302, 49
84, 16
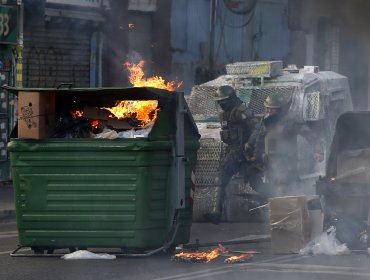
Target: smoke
339, 41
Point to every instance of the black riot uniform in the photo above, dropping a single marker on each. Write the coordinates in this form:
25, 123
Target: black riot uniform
237, 125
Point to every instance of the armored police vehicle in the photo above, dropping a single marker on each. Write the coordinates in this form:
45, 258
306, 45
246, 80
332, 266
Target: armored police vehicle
316, 99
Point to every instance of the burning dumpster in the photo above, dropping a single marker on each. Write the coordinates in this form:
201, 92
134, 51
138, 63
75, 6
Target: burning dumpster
73, 189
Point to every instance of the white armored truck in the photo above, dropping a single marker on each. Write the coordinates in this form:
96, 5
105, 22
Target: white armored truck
316, 99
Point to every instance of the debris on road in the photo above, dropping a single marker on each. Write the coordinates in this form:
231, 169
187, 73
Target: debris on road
207, 256
85, 255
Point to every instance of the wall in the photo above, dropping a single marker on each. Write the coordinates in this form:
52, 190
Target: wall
333, 35
116, 44
259, 35
270, 30
189, 38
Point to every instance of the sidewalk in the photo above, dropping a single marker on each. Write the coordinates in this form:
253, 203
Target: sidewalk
7, 207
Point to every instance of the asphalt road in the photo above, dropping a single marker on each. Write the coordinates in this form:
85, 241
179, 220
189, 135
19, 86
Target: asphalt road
160, 267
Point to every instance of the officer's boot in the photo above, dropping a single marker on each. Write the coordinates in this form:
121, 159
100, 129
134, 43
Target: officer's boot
215, 216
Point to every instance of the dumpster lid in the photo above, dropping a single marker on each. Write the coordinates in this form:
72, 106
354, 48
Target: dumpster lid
134, 93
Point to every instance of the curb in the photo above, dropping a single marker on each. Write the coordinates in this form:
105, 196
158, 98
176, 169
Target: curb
7, 215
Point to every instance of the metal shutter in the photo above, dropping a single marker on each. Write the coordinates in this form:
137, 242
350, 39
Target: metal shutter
56, 55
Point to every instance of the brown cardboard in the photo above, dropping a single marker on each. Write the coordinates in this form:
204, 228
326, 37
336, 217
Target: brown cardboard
36, 115
289, 222
96, 113
119, 124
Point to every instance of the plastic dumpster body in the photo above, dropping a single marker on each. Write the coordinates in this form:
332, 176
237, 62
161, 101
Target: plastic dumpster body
105, 193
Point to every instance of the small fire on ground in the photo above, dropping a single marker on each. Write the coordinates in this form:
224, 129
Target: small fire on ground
239, 259
207, 256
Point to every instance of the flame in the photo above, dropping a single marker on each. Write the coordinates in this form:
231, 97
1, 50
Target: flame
137, 78
77, 114
131, 26
202, 256
144, 111
240, 258
332, 179
94, 123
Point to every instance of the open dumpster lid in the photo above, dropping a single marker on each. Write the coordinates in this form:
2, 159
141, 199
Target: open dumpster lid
136, 93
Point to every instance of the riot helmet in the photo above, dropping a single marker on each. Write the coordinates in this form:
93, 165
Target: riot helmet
274, 105
274, 101
225, 97
224, 93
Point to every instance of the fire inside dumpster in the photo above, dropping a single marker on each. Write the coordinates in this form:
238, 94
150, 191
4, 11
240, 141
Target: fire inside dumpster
136, 116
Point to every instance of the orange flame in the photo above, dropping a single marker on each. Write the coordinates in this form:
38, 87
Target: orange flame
200, 256
144, 111
137, 78
131, 26
240, 258
94, 123
77, 114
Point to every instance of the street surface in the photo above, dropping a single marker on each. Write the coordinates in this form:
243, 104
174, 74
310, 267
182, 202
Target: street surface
160, 267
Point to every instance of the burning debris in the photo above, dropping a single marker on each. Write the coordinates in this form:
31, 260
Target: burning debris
240, 259
207, 256
127, 119
143, 112
83, 116
200, 256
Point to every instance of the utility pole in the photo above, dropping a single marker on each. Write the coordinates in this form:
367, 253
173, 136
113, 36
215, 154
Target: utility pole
212, 37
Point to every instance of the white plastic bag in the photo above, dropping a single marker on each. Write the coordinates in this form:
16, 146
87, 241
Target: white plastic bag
127, 133
144, 132
86, 255
107, 134
325, 244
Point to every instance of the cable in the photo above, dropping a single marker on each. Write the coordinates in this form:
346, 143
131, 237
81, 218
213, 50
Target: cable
244, 11
244, 24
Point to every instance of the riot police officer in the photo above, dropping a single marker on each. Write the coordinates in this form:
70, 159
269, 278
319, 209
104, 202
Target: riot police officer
237, 124
276, 142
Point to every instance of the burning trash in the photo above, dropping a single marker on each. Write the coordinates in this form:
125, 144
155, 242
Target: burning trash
139, 112
240, 259
126, 119
207, 256
200, 256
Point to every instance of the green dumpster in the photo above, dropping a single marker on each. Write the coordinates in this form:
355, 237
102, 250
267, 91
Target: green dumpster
121, 193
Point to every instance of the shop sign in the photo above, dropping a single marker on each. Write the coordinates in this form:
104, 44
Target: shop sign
8, 24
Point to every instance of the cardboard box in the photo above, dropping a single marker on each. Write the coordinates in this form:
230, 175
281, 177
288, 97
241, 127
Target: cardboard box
36, 115
289, 221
